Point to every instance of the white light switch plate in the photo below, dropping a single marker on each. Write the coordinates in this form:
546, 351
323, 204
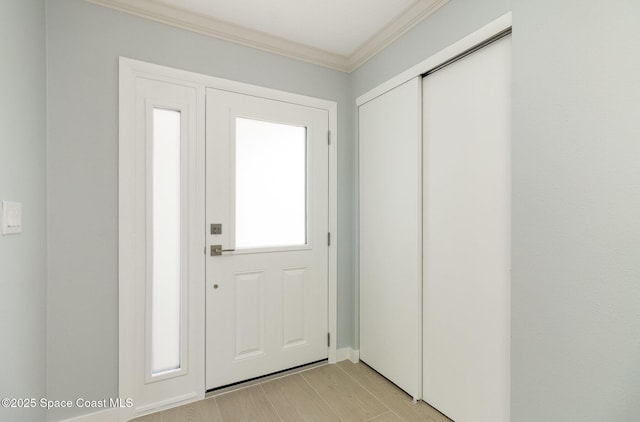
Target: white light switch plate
11, 217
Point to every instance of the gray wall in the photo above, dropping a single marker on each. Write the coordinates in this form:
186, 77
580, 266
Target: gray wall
576, 211
84, 42
576, 197
22, 179
576, 190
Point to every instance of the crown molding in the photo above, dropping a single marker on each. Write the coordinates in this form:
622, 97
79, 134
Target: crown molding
227, 31
412, 16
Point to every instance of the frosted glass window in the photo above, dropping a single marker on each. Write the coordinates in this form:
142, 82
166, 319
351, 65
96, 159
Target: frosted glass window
167, 279
271, 184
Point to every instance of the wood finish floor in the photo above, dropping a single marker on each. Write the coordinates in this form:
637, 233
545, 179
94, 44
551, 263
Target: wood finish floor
344, 392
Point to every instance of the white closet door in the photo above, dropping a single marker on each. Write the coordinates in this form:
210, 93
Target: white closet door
391, 236
467, 220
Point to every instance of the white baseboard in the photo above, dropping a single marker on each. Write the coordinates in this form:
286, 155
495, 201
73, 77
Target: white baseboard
107, 415
348, 353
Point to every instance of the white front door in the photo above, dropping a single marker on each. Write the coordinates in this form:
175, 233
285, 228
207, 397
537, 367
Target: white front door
267, 227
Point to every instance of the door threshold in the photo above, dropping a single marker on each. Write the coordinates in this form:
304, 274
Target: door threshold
218, 391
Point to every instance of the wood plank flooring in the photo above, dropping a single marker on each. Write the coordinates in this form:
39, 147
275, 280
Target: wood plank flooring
345, 392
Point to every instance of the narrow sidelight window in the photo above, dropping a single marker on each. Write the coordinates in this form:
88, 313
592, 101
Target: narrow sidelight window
167, 240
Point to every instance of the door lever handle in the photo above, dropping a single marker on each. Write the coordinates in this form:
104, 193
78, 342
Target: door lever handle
216, 250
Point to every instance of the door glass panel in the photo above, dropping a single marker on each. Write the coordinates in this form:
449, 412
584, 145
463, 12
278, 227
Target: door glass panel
167, 240
271, 184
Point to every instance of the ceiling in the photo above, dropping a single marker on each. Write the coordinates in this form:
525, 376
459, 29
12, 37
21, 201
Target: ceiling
340, 34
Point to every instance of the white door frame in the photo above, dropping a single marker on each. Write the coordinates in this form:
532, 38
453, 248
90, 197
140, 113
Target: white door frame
131, 69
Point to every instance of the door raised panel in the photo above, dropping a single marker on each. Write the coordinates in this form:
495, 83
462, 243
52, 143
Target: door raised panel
249, 314
294, 306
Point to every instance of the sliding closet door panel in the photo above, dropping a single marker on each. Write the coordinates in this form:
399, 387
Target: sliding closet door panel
467, 219
391, 235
